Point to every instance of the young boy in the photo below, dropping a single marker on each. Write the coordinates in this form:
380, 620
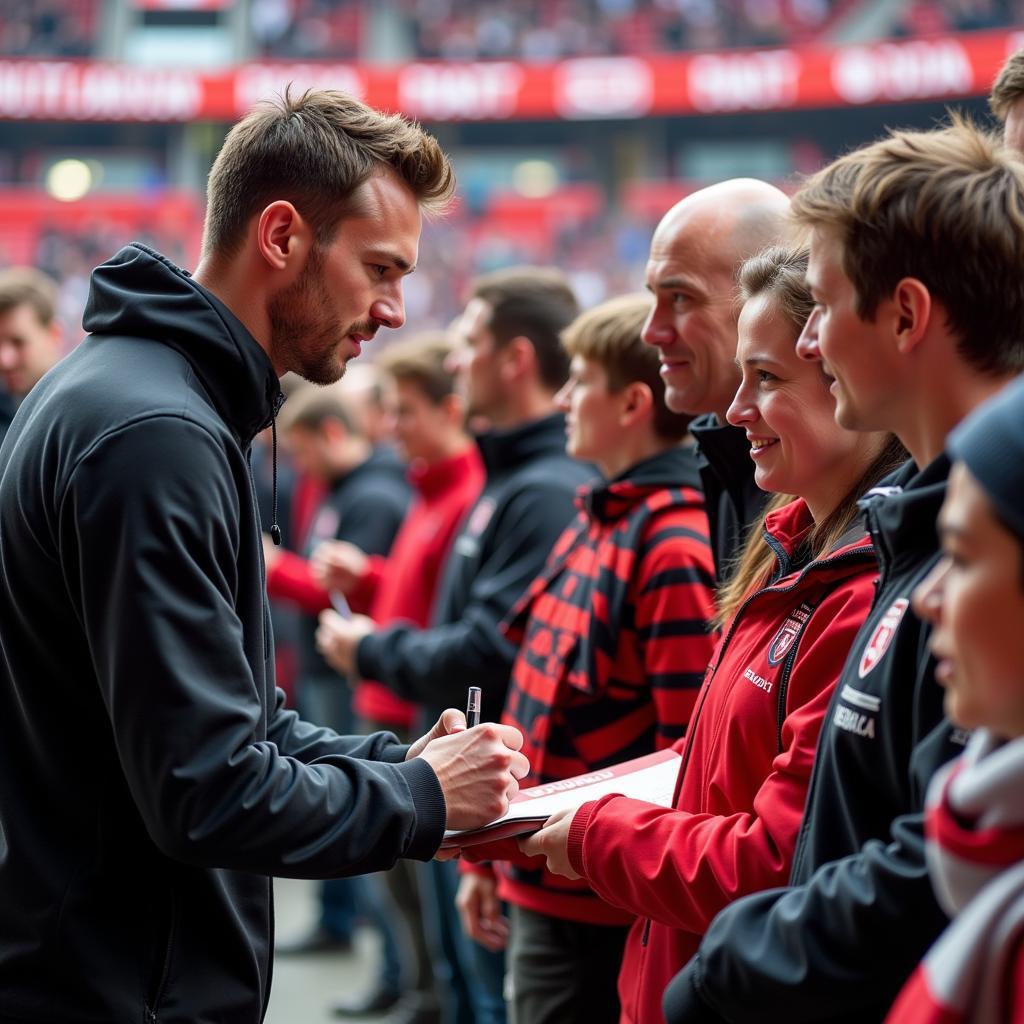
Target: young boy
974, 600
614, 638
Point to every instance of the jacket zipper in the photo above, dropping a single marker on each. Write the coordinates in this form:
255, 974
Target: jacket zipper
165, 969
849, 556
787, 670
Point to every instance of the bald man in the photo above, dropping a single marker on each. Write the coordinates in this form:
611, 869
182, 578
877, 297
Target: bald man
695, 254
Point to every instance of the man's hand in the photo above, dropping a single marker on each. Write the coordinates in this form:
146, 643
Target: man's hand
552, 841
480, 911
479, 769
338, 565
338, 638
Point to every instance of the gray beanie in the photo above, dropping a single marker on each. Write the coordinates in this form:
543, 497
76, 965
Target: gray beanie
990, 442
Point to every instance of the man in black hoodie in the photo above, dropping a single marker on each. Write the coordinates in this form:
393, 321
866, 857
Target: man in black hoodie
151, 781
913, 340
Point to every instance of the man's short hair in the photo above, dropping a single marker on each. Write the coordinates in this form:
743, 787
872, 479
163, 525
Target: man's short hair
26, 286
610, 335
422, 361
315, 151
535, 303
309, 407
1009, 86
945, 207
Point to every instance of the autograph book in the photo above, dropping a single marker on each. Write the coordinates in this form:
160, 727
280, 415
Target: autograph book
651, 778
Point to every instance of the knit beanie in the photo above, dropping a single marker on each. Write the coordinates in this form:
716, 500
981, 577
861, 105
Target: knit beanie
990, 442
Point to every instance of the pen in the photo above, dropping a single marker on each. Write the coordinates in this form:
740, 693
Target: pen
340, 605
473, 707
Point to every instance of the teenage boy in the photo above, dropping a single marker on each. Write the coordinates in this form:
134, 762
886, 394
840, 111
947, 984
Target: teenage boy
614, 637
913, 340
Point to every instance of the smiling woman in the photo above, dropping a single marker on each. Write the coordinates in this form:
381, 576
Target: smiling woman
788, 412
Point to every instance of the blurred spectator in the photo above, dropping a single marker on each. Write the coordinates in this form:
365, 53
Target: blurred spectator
48, 28
920, 18
364, 503
6, 412
30, 335
446, 472
511, 365
549, 30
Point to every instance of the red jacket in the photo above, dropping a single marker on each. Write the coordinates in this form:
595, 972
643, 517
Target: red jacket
614, 638
401, 587
746, 766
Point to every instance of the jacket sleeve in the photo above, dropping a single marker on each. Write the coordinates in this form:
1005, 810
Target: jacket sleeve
681, 868
836, 948
291, 579
674, 610
434, 666
150, 535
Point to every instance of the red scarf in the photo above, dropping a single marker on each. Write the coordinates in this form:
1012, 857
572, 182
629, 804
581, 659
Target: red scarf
975, 847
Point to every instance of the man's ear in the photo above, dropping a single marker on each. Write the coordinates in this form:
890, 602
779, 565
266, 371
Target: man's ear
518, 357
284, 239
912, 310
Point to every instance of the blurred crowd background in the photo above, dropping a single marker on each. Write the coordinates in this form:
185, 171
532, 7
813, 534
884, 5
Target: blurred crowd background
76, 182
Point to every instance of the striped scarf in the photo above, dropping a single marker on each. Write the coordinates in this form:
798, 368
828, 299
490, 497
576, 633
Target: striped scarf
975, 851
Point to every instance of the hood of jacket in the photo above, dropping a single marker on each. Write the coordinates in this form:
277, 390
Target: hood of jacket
903, 525
139, 293
609, 500
725, 450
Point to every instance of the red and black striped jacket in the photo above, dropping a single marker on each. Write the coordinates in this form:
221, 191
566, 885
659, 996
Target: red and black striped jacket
614, 637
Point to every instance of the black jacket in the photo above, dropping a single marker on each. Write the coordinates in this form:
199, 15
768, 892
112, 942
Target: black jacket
151, 781
365, 507
860, 913
527, 500
732, 499
7, 408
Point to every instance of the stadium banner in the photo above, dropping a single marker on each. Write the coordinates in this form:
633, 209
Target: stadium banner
590, 88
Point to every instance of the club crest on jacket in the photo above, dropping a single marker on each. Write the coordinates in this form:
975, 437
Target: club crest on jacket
882, 636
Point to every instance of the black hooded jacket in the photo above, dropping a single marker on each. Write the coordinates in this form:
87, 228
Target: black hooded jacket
527, 501
732, 499
860, 913
151, 781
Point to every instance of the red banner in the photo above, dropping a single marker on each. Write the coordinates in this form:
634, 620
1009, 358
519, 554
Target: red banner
936, 68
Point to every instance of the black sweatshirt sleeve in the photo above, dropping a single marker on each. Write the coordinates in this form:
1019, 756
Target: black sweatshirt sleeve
149, 530
434, 666
837, 948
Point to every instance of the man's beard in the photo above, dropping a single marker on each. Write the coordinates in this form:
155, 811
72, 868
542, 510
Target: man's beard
303, 335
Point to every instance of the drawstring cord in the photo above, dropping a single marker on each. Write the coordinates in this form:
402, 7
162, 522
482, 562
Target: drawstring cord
275, 529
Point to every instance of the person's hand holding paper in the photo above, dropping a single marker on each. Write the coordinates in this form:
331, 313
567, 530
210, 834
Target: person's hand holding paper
552, 841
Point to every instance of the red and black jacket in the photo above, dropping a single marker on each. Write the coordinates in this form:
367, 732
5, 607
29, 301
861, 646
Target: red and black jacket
614, 637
